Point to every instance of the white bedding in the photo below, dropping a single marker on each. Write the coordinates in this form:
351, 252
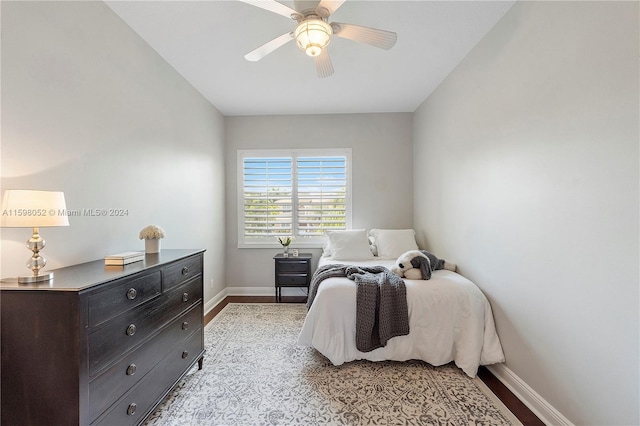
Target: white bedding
450, 319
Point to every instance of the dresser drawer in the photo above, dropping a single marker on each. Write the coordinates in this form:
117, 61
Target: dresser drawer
131, 408
181, 271
285, 266
109, 386
121, 296
133, 327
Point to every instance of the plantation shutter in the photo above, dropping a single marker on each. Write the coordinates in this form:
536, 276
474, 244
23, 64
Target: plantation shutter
321, 195
268, 197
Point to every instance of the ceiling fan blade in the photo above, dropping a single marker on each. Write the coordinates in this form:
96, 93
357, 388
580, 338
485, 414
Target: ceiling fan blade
373, 36
328, 7
323, 64
268, 47
273, 6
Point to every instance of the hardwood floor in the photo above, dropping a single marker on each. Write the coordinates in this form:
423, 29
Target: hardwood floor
516, 406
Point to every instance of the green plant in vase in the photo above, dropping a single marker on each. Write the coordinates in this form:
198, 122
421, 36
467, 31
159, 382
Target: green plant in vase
285, 242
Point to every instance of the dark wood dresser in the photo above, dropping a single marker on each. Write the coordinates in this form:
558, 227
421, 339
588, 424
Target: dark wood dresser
100, 345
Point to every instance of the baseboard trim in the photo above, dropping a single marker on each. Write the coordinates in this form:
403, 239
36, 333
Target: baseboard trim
265, 291
537, 404
215, 301
251, 291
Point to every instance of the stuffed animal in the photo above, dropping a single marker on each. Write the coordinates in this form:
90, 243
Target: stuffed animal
419, 264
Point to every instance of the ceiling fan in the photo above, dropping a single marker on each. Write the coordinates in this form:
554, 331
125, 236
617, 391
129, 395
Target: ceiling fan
313, 32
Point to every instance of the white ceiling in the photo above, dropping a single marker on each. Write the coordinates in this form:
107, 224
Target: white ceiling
206, 41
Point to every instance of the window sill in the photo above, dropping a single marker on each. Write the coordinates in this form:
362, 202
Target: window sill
298, 246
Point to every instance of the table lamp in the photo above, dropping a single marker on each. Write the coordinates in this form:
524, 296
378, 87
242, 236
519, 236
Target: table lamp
34, 209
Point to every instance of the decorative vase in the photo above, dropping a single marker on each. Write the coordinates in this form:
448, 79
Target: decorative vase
285, 253
152, 245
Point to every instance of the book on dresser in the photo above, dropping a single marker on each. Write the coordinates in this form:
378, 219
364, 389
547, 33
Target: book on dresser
124, 258
100, 347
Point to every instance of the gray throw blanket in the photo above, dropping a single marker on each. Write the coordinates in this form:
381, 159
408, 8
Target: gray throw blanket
381, 302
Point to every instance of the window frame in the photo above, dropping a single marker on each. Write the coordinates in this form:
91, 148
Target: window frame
298, 242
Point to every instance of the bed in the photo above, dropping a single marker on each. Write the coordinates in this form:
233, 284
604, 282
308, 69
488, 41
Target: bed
450, 319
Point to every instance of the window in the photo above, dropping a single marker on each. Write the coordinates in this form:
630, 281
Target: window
301, 193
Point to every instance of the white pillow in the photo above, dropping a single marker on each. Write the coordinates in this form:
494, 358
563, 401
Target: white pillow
372, 246
349, 245
391, 243
326, 249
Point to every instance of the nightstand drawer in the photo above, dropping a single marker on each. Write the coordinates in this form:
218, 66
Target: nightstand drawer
291, 279
285, 266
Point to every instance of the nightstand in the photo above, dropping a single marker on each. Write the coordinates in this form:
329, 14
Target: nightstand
292, 272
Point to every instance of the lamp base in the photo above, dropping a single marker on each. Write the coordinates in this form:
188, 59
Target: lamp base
42, 276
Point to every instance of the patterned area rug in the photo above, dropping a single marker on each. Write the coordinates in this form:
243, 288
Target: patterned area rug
255, 374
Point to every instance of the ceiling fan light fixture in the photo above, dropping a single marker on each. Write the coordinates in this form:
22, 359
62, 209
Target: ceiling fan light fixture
313, 35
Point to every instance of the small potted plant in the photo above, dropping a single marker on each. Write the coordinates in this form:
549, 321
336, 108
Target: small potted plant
152, 235
285, 241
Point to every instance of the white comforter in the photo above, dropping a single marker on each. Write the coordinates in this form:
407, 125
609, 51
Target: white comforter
450, 319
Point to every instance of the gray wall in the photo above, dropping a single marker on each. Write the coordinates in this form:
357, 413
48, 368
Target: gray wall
90, 109
381, 179
530, 148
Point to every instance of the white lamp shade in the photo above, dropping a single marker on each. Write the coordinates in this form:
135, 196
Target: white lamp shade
33, 209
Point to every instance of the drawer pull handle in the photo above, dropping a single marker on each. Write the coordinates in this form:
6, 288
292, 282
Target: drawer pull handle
131, 330
131, 370
185, 297
131, 409
185, 354
132, 293
185, 270
185, 325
